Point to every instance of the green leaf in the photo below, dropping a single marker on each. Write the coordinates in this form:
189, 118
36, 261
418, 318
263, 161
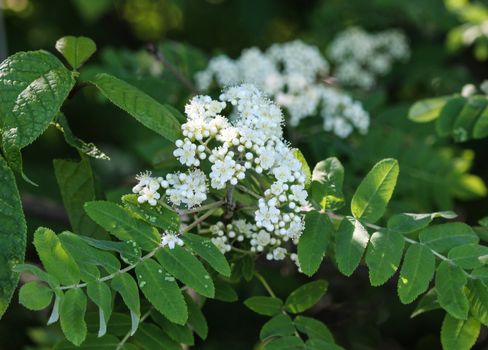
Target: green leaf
42, 275
100, 294
188, 269
351, 241
119, 323
124, 284
77, 186
314, 241
118, 222
160, 216
55, 258
426, 110
313, 328
427, 302
478, 300
372, 196
469, 256
204, 248
448, 115
72, 315
247, 267
224, 291
449, 284
304, 166
459, 334
280, 325
76, 50
443, 238
319, 344
383, 256
268, 306
35, 296
180, 334
408, 223
33, 86
416, 273
151, 337
306, 296
84, 254
196, 319
285, 343
464, 124
129, 251
327, 182
162, 291
13, 231
142, 107
87, 149
480, 129
108, 342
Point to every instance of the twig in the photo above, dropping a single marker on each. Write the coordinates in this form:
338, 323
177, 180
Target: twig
152, 49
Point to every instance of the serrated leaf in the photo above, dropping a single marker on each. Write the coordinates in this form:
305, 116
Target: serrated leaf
185, 267
92, 342
426, 110
480, 129
306, 296
224, 291
459, 334
319, 344
55, 258
129, 251
160, 216
313, 328
313, 241
76, 50
374, 192
464, 124
142, 107
151, 337
118, 222
100, 294
351, 241
450, 281
447, 117
33, 86
268, 306
180, 334
383, 256
85, 148
205, 249
72, 315
35, 296
327, 182
85, 254
118, 325
42, 275
280, 325
416, 273
478, 300
427, 302
444, 237
124, 284
76, 184
13, 231
196, 319
469, 256
162, 291
409, 222
285, 343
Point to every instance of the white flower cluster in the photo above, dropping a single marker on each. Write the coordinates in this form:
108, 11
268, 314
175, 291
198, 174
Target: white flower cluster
361, 57
291, 74
220, 152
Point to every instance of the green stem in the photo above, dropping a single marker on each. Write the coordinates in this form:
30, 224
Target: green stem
128, 334
202, 208
264, 283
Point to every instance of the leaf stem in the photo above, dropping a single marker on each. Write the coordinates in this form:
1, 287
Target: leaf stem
264, 283
128, 334
202, 208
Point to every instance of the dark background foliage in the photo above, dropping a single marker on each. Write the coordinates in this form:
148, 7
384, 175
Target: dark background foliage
361, 317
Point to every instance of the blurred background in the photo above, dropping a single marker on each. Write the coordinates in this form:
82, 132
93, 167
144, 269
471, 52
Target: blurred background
449, 48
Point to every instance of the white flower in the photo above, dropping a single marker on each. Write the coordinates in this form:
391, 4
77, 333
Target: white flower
171, 239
